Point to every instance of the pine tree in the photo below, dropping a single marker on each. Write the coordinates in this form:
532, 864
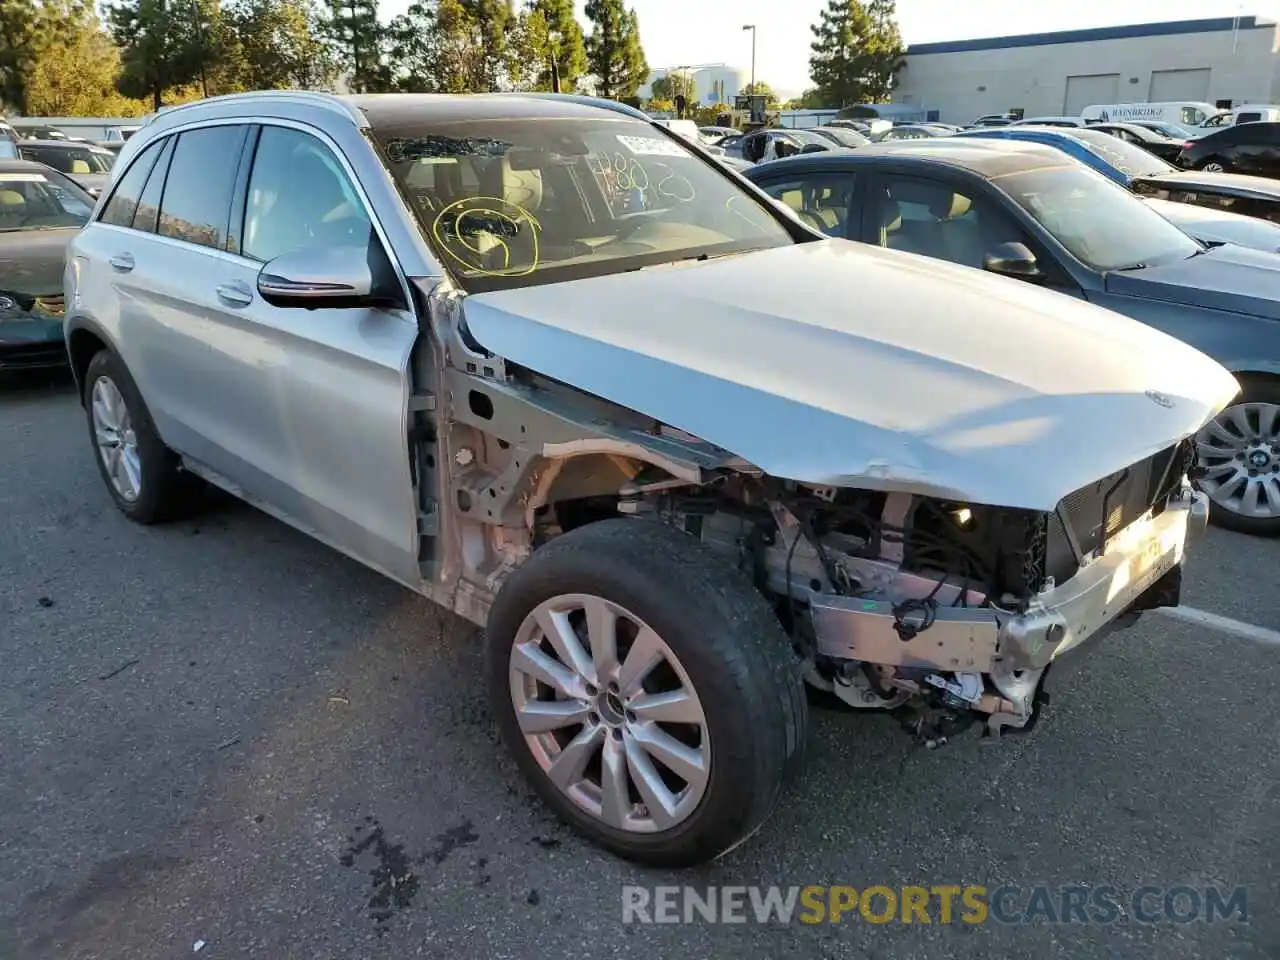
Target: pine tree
614, 54
162, 45
855, 52
565, 44
358, 40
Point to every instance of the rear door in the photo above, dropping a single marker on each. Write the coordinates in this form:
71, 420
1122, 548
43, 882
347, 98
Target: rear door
308, 407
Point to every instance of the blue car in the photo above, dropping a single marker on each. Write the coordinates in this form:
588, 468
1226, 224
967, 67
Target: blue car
1028, 212
1112, 157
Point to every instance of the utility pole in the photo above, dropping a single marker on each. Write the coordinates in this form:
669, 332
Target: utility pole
752, 28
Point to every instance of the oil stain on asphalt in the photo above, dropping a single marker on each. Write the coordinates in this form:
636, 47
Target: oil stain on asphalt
392, 877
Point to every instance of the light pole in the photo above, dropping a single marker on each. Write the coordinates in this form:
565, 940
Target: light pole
752, 28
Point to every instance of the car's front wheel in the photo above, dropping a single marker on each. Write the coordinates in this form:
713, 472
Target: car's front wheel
646, 690
1239, 453
142, 475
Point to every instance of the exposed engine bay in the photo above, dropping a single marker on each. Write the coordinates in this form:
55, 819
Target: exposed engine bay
937, 611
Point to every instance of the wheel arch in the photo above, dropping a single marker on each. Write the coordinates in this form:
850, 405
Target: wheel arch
85, 338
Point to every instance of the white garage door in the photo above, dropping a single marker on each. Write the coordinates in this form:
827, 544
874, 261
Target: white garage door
1171, 86
1086, 90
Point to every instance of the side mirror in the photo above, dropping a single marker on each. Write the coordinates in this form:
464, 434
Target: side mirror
326, 277
1013, 260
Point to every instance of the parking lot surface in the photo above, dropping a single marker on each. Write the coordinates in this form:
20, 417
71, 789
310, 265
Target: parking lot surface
220, 734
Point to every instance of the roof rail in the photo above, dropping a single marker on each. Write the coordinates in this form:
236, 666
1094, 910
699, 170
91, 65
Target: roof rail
603, 103
317, 98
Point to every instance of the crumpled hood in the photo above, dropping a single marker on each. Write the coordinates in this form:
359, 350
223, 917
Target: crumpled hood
1228, 277
841, 364
31, 261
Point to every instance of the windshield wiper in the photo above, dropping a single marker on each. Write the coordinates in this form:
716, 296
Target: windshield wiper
1130, 267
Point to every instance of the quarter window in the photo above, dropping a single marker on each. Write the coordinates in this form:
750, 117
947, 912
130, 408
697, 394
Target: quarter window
197, 193
124, 198
147, 217
300, 198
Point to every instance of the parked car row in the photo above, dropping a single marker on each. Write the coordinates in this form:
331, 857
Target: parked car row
900, 422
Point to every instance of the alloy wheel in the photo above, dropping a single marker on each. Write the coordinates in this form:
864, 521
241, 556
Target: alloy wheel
609, 714
1239, 454
115, 439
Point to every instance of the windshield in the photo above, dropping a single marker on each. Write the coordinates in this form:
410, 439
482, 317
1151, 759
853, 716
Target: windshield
1129, 159
515, 202
41, 201
1103, 225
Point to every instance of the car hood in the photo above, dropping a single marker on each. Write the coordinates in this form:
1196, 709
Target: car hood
1227, 277
1219, 226
31, 261
840, 364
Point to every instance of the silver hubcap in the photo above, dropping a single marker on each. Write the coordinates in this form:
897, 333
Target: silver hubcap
1240, 454
609, 713
117, 443
1213, 167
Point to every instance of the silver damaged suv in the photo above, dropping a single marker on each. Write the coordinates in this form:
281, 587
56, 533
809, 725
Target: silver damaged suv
552, 366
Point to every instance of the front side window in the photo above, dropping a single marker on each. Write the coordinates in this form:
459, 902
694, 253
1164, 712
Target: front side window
299, 198
821, 200
1103, 225
934, 219
197, 193
41, 201
518, 201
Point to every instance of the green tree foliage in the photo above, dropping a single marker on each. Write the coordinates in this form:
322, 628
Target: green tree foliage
22, 37
669, 86
855, 52
357, 41
615, 57
162, 45
75, 73
760, 88
565, 45
279, 44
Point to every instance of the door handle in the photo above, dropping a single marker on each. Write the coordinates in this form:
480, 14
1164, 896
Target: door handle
122, 262
235, 294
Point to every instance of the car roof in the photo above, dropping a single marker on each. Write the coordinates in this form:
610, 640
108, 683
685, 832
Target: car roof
1237, 184
21, 166
402, 109
989, 159
62, 144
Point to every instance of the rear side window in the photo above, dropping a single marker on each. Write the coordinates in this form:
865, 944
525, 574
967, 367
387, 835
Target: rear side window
197, 192
124, 198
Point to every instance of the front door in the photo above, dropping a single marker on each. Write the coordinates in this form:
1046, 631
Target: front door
314, 401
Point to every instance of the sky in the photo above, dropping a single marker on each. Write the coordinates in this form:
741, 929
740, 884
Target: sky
691, 32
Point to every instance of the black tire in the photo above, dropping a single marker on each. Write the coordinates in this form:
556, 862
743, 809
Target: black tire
1255, 390
1226, 167
165, 492
730, 644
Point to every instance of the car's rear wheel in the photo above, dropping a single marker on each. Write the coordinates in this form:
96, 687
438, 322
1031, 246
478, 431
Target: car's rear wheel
1239, 453
646, 690
142, 475
1214, 165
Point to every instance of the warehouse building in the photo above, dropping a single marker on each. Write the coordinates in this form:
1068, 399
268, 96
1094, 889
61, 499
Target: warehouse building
1050, 74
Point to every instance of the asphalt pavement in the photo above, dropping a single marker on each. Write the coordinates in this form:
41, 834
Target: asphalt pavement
220, 738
